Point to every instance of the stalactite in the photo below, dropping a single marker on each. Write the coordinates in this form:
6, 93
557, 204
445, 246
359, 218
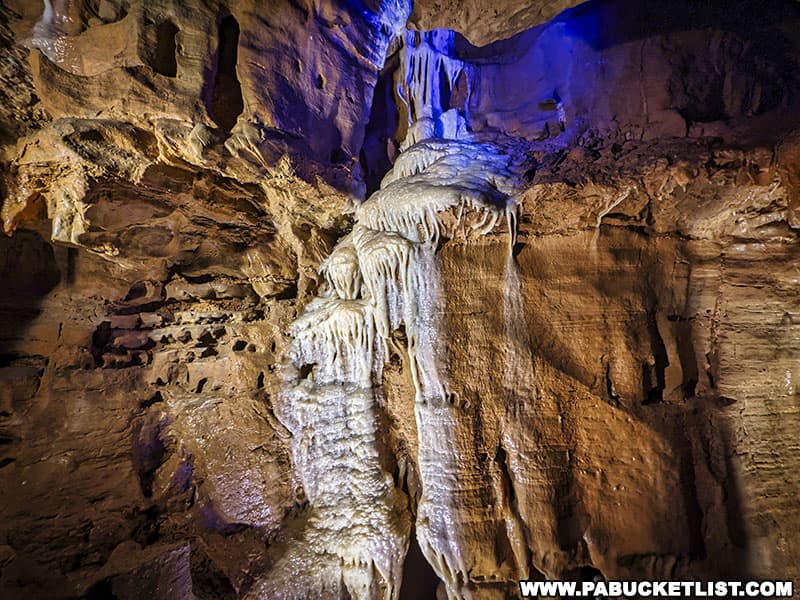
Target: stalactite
430, 72
338, 337
425, 56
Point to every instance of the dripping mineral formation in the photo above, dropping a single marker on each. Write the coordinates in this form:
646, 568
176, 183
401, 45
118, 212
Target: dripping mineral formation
392, 300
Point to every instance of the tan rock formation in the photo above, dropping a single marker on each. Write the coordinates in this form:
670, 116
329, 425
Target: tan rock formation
485, 22
560, 339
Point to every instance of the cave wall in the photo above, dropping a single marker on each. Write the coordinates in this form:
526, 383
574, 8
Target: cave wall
135, 418
633, 426
214, 63
620, 398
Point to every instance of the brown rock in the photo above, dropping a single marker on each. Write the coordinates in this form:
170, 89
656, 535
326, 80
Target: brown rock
560, 340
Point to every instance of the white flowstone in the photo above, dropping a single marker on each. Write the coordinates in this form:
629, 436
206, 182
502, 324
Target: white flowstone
381, 276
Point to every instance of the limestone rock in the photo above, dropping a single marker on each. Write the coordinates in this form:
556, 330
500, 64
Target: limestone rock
485, 22
312, 299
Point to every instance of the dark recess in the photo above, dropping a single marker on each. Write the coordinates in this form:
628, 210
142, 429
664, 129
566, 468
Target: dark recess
384, 119
29, 271
165, 61
419, 580
654, 390
102, 590
226, 103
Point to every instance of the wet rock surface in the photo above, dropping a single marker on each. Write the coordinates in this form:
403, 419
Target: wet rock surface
307, 300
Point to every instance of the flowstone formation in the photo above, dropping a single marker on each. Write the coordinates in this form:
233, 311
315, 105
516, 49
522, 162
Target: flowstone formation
365, 299
381, 279
481, 491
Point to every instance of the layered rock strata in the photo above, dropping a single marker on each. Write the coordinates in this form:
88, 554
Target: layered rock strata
555, 337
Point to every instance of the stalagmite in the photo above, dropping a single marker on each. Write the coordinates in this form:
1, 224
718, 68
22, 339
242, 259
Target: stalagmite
354, 537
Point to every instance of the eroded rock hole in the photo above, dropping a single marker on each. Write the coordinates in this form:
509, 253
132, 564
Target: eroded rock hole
501, 459
165, 61
101, 338
419, 579
149, 449
339, 156
154, 399
654, 378
137, 290
226, 102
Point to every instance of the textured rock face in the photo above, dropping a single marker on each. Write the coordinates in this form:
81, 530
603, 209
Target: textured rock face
560, 339
485, 22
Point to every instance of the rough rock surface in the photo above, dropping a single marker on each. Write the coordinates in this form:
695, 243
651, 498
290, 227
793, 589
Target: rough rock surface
561, 338
484, 22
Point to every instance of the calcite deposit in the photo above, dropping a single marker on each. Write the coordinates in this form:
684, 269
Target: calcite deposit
381, 299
